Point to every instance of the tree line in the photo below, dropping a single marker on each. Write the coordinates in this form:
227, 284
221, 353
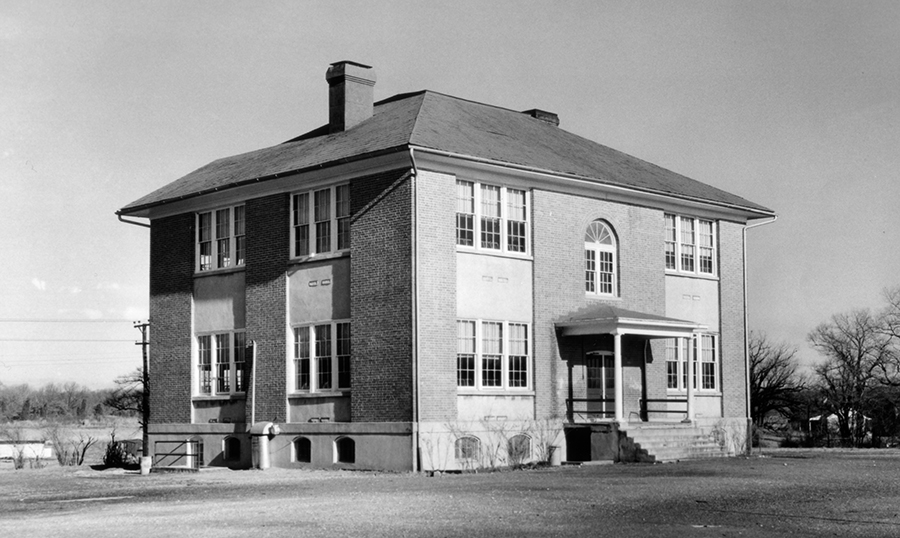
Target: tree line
853, 391
70, 401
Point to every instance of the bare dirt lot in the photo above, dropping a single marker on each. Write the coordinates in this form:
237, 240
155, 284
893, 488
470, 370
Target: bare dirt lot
785, 492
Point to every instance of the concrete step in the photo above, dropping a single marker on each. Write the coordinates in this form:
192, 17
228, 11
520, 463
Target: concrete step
673, 442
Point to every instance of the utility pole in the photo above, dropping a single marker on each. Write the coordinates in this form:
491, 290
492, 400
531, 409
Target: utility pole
145, 392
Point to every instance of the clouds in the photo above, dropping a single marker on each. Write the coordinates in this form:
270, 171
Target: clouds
39, 284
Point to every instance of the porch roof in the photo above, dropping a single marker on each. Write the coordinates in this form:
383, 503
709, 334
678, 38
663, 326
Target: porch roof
606, 319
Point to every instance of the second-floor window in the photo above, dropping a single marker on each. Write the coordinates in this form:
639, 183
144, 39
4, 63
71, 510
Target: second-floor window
320, 221
221, 242
491, 217
600, 264
690, 245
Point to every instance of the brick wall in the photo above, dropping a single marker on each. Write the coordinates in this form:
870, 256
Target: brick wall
171, 285
560, 221
437, 295
381, 298
731, 304
268, 238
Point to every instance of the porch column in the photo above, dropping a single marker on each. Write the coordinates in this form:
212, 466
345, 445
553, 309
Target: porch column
617, 365
690, 377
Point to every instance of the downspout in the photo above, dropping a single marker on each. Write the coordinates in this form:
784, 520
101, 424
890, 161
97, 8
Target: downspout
253, 384
747, 330
415, 317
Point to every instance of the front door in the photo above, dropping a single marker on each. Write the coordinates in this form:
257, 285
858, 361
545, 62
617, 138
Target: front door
601, 383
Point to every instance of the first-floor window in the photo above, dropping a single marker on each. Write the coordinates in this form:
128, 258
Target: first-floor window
322, 357
492, 355
222, 363
706, 362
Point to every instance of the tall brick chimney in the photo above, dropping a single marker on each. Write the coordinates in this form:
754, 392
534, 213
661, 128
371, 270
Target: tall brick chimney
350, 94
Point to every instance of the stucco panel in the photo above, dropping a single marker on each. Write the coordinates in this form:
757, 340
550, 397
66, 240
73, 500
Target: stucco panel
320, 291
219, 303
493, 287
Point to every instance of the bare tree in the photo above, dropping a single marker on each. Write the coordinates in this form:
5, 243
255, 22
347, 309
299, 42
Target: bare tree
858, 358
775, 383
127, 397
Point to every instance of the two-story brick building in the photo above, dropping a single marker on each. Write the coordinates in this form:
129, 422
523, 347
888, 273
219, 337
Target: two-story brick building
428, 282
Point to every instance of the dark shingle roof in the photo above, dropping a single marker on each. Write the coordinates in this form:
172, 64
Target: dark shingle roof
436, 121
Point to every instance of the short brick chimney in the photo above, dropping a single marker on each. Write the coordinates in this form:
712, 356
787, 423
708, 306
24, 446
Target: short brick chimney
543, 115
350, 94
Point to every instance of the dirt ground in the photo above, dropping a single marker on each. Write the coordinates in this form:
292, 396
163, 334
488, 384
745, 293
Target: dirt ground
783, 493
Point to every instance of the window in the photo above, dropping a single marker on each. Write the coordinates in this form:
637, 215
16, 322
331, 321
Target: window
491, 217
492, 355
706, 362
222, 363
320, 221
322, 357
221, 242
302, 450
345, 450
467, 449
690, 245
600, 260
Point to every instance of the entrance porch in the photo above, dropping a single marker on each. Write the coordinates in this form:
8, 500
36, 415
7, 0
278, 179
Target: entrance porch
617, 402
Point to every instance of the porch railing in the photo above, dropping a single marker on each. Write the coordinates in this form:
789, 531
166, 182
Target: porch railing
178, 454
590, 409
664, 406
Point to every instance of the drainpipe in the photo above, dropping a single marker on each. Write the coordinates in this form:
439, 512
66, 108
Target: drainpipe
253, 384
415, 306
747, 330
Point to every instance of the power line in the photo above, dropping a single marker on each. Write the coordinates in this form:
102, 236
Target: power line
65, 340
63, 320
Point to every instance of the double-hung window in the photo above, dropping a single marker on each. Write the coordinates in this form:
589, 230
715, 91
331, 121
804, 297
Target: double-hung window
706, 363
322, 357
221, 242
222, 363
492, 355
320, 221
492, 218
690, 245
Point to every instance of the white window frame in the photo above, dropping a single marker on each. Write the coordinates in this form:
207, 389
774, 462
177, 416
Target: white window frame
237, 243
506, 355
700, 346
506, 220
334, 355
236, 360
699, 242
593, 251
338, 242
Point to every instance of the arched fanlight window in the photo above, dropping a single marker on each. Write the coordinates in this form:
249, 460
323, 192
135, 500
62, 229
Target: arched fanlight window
600, 259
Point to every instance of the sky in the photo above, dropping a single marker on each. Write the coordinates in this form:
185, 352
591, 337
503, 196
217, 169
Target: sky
792, 105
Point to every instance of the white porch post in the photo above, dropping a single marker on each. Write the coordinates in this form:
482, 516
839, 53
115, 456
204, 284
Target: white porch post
617, 365
690, 378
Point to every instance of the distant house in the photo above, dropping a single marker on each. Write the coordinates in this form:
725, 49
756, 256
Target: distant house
428, 282
30, 450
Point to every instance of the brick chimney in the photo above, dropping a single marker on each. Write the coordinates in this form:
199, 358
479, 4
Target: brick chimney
350, 94
543, 115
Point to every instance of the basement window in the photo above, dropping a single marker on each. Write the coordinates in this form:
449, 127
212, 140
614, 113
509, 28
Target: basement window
345, 450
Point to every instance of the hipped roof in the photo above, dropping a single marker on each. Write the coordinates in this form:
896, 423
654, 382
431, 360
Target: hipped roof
435, 121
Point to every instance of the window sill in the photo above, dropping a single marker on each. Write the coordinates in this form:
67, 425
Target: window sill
700, 276
596, 297
323, 394
677, 392
493, 392
319, 257
498, 253
213, 272
218, 397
